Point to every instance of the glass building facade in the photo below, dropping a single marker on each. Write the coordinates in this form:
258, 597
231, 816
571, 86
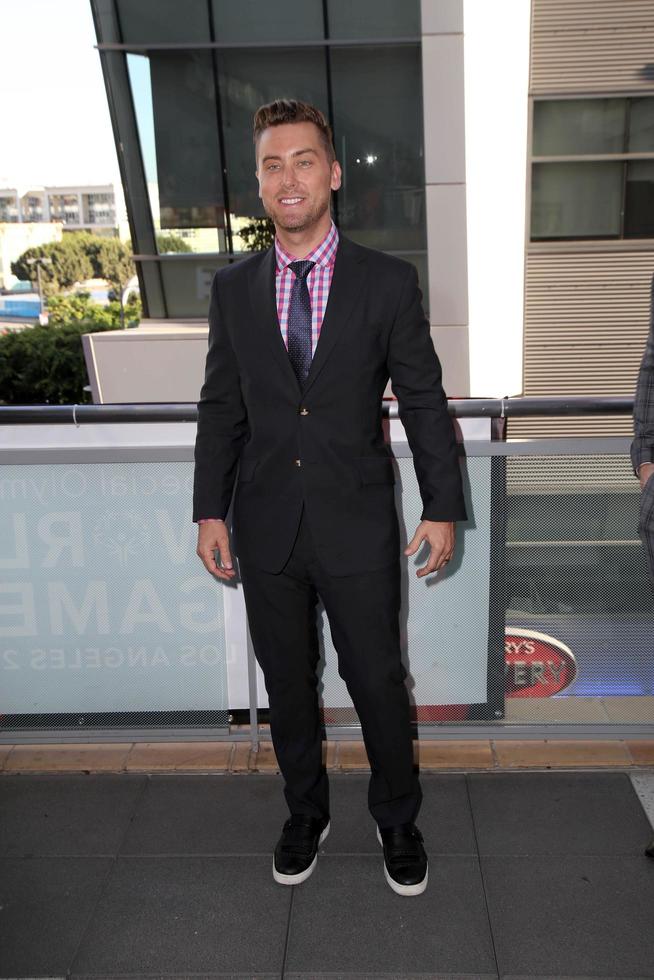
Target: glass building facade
184, 80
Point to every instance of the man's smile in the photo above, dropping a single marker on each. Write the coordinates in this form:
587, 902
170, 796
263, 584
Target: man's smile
288, 201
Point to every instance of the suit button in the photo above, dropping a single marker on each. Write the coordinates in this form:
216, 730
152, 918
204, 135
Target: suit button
298, 462
304, 411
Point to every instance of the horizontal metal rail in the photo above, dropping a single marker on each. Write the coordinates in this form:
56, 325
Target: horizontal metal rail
142, 47
187, 412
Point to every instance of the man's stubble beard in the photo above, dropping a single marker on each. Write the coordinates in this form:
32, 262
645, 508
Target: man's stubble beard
304, 222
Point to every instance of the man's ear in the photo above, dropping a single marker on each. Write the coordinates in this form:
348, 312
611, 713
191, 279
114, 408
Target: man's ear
337, 175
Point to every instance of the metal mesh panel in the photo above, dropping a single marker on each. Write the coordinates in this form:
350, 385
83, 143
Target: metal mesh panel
106, 616
107, 620
445, 634
576, 574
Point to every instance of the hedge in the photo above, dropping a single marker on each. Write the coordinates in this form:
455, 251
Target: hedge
45, 364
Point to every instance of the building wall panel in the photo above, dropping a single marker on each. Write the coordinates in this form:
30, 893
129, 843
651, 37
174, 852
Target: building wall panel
586, 323
592, 46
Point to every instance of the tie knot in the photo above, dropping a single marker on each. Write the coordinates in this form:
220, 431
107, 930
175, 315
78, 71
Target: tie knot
302, 268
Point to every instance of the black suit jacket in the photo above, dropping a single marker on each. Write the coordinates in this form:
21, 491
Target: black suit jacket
321, 446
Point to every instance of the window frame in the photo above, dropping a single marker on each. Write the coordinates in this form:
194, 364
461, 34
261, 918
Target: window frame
623, 158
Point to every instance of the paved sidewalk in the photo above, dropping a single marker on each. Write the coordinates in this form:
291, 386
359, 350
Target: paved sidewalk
532, 874
459, 755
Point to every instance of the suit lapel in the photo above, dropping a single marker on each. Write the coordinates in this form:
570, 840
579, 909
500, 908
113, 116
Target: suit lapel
346, 286
264, 305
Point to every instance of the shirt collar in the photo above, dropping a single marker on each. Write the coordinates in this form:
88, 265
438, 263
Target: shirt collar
323, 254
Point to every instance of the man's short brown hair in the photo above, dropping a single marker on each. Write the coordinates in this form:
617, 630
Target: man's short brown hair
283, 111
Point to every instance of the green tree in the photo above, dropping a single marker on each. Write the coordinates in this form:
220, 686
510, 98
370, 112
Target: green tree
116, 265
72, 309
91, 245
258, 234
69, 264
167, 242
80, 308
22, 269
45, 364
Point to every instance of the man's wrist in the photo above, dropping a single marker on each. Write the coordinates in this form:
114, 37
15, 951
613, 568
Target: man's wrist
207, 520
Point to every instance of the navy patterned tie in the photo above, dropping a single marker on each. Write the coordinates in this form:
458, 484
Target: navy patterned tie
299, 321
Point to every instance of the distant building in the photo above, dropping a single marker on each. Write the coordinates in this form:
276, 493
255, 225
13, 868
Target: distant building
17, 236
99, 208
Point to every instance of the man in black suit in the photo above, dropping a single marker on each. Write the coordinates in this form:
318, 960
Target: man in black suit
642, 448
302, 341
642, 454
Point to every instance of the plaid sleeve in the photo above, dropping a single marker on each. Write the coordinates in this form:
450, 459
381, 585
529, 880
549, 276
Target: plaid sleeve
642, 448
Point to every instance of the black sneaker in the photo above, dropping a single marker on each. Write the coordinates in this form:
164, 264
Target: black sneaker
405, 861
296, 854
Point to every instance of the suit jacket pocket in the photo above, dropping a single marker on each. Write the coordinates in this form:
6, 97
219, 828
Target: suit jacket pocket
247, 469
376, 469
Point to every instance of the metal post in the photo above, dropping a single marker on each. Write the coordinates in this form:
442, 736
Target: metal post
253, 695
38, 279
39, 261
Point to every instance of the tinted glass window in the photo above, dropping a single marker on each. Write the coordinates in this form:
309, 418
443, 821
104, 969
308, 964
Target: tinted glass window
158, 21
186, 140
175, 106
260, 20
248, 79
639, 210
378, 135
599, 199
577, 126
194, 110
641, 126
576, 200
373, 18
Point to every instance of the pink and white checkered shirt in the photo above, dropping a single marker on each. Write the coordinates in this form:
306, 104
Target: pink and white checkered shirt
319, 282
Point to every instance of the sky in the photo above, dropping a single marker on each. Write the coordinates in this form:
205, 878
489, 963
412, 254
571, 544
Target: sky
55, 119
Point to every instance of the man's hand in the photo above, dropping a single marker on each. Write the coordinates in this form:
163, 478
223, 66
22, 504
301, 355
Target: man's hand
214, 536
645, 472
440, 535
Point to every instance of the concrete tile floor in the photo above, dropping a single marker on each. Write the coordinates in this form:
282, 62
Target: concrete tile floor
134, 874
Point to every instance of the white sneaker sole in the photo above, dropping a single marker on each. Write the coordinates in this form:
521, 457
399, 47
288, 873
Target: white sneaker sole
303, 875
406, 890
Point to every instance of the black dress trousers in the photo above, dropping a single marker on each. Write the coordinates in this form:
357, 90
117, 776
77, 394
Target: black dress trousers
363, 613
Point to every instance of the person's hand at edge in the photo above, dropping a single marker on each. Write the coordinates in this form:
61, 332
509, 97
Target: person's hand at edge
645, 473
440, 536
214, 536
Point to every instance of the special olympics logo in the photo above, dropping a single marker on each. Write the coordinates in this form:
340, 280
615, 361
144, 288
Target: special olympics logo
123, 534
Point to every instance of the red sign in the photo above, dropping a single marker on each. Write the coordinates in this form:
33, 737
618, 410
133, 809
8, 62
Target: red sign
537, 666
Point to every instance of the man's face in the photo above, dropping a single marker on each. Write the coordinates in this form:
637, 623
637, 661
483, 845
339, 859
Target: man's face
295, 175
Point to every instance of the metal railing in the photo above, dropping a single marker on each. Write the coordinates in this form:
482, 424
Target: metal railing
459, 408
